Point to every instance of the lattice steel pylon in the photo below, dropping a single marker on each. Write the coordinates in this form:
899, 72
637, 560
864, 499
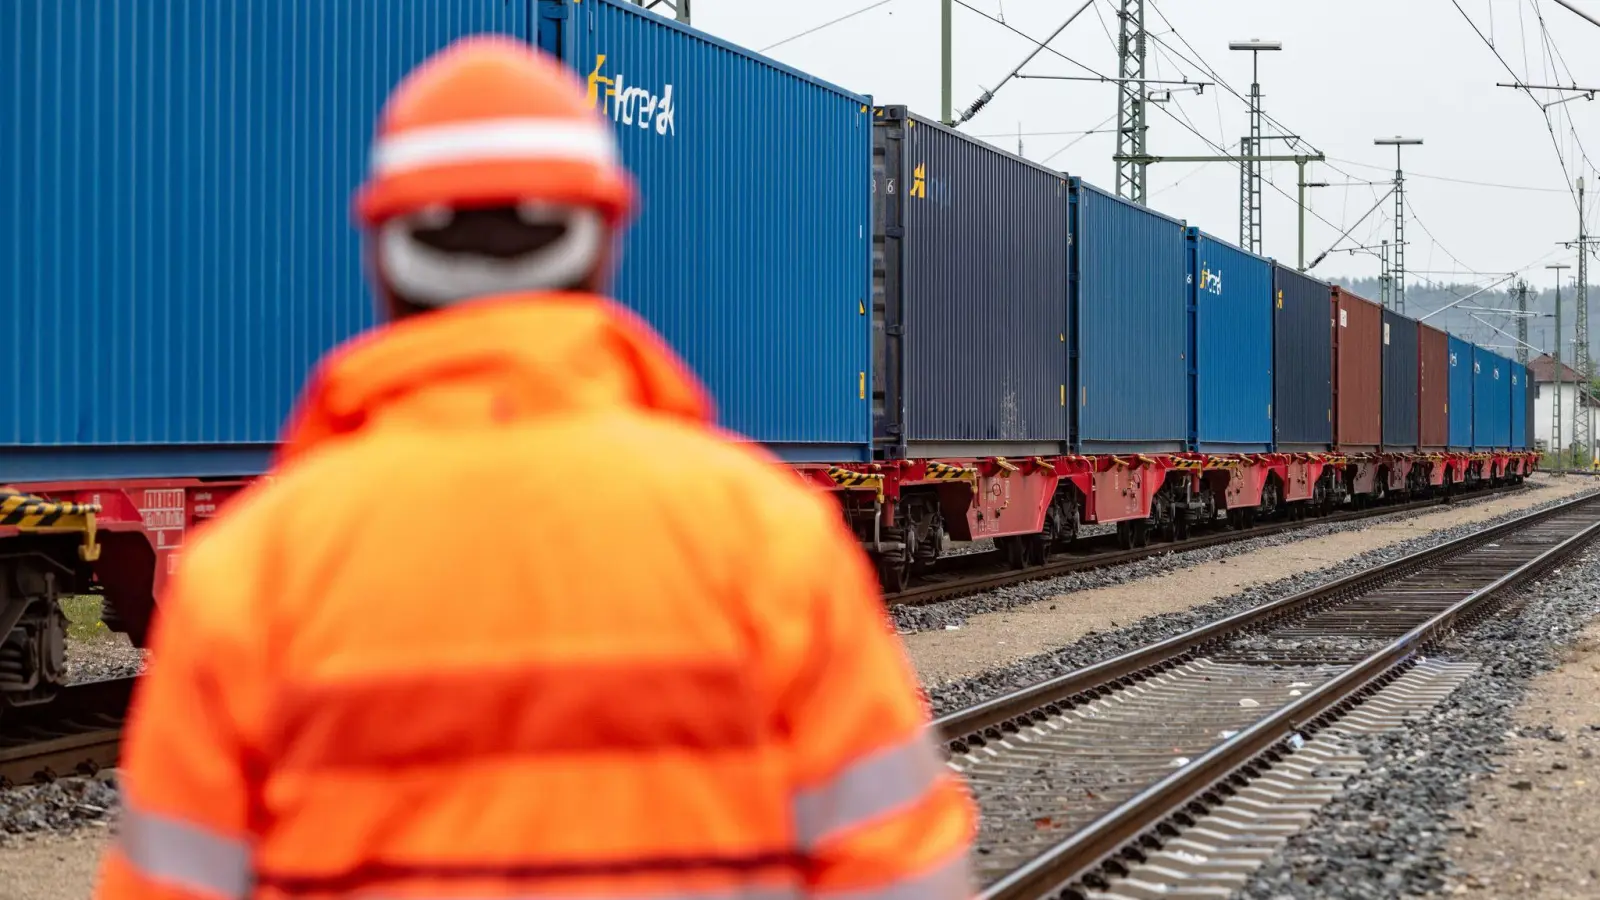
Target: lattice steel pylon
1398, 269
1250, 172
1521, 293
1130, 103
1556, 445
680, 8
1582, 415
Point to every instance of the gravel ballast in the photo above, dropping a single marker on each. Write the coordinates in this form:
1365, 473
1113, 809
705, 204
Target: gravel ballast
58, 807
1098, 646
1387, 835
97, 659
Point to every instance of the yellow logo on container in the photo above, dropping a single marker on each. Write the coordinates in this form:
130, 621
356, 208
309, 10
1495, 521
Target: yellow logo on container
631, 105
919, 181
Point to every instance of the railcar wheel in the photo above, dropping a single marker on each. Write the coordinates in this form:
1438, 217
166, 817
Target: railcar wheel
893, 574
1012, 551
1125, 537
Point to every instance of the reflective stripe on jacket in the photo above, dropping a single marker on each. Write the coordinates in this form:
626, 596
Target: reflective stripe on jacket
513, 620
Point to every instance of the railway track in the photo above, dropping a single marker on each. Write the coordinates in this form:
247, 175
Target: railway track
1173, 770
78, 734
973, 573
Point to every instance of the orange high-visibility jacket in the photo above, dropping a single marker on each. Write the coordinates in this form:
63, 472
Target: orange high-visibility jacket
513, 620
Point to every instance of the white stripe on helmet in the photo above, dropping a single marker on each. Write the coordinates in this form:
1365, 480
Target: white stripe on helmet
494, 139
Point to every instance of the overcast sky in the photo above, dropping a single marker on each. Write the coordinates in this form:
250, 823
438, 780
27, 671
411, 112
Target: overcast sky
1348, 72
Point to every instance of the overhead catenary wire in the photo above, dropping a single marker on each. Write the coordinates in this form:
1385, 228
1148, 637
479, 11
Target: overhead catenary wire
814, 30
1220, 149
1555, 142
1467, 181
988, 94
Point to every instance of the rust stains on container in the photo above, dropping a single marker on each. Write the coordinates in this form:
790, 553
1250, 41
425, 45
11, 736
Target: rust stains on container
1357, 372
1433, 387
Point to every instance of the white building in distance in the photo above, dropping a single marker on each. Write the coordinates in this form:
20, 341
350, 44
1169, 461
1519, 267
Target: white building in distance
1544, 381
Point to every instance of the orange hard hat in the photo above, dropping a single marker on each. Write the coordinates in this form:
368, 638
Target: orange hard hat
490, 120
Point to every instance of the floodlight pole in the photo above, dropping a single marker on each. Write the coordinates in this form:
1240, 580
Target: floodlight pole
1399, 268
1250, 150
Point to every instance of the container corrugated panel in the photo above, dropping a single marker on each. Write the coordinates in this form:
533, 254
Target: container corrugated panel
1519, 406
970, 295
1433, 388
1302, 369
1231, 351
1400, 394
751, 251
1460, 362
1129, 325
1357, 372
1491, 400
176, 217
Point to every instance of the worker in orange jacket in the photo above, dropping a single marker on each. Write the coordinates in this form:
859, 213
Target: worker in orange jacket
513, 619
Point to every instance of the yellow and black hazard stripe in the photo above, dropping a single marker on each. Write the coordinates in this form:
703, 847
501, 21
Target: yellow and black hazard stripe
851, 479
29, 512
938, 471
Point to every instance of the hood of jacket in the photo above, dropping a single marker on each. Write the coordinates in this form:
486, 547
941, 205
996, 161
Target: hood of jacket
496, 360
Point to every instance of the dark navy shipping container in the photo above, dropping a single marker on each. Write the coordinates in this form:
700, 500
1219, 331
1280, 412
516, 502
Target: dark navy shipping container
1460, 394
1491, 400
176, 218
1530, 433
751, 251
969, 295
1130, 334
1400, 393
1230, 350
1302, 362
1519, 406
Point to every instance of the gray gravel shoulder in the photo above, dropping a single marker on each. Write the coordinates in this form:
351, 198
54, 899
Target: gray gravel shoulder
1388, 834
1099, 646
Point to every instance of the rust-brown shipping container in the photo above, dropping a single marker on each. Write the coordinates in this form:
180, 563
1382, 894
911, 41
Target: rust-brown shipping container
1357, 372
1433, 387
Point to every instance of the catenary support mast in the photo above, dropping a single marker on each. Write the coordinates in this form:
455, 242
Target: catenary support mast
1131, 166
1582, 415
1556, 447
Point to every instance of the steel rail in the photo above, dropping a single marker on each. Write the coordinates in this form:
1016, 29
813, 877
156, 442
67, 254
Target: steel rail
1021, 707
77, 733
1094, 849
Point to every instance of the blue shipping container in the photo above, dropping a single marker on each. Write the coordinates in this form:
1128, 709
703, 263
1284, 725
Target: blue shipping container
1519, 406
969, 295
1460, 394
1130, 331
1491, 400
1230, 350
176, 218
751, 252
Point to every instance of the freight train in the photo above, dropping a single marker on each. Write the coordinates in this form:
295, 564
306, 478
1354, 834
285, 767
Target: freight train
955, 342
